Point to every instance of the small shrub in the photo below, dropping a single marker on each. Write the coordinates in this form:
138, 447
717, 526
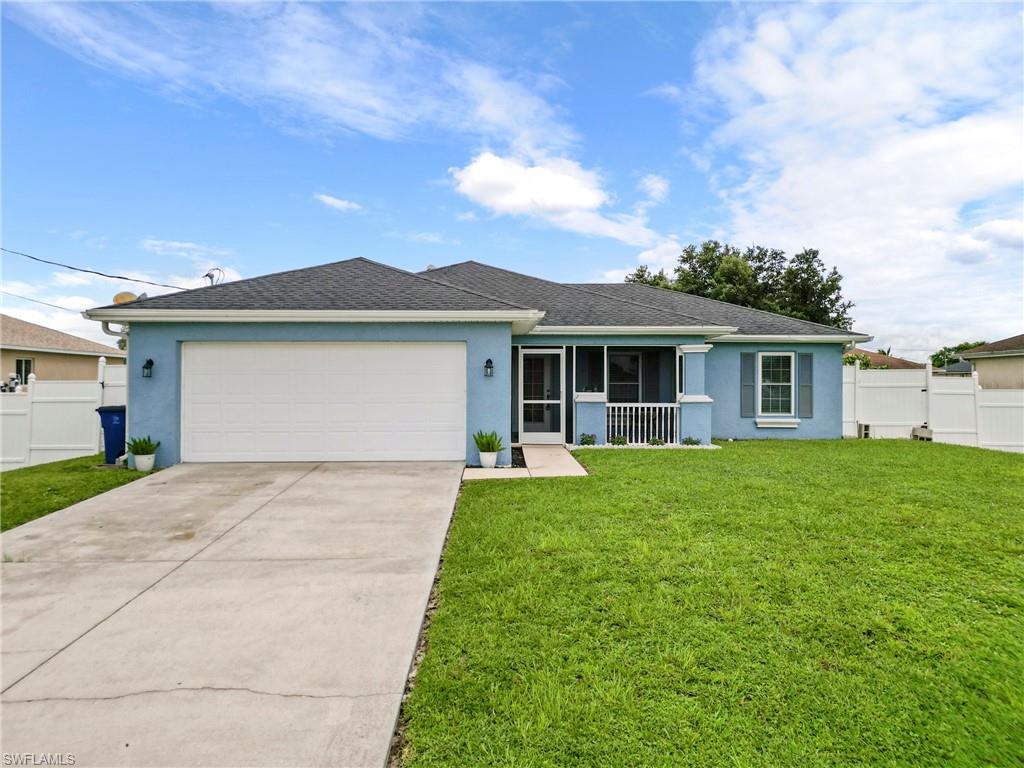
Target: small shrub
488, 442
588, 439
655, 441
689, 440
617, 440
142, 446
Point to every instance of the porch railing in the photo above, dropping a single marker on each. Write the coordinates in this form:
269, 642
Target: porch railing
640, 423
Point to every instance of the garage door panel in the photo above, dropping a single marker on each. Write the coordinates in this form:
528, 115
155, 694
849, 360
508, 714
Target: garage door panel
323, 401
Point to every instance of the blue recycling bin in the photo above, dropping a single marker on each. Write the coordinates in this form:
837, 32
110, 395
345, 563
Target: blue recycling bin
112, 421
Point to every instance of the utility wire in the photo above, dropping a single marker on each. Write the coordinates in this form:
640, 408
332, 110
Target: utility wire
37, 301
91, 271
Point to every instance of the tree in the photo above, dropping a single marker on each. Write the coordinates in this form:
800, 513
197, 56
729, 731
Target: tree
808, 292
759, 277
860, 357
643, 275
951, 354
887, 351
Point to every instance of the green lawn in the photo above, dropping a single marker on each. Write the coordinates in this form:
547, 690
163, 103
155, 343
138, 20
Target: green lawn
32, 492
768, 604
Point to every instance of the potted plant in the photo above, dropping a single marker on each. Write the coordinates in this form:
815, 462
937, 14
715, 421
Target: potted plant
144, 451
489, 445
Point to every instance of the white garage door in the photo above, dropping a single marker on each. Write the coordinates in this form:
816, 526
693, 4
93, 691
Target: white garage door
323, 402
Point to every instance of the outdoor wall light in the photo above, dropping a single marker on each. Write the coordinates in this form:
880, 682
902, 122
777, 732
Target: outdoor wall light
147, 369
489, 368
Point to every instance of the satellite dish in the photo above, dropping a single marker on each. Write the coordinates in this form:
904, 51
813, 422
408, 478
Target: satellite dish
124, 297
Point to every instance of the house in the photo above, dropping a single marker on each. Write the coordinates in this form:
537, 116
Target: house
882, 360
1000, 365
356, 360
29, 348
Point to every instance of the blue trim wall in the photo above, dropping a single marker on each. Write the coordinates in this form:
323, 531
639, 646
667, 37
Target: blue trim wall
154, 404
722, 382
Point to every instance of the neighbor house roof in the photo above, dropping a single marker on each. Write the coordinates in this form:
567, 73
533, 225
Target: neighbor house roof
23, 335
879, 359
1004, 347
753, 322
565, 306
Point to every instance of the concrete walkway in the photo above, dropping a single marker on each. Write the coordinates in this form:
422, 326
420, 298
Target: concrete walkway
223, 615
541, 461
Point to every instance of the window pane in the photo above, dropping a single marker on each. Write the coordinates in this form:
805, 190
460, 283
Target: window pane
776, 399
776, 369
590, 369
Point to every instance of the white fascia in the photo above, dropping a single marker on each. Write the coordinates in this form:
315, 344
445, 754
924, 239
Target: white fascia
707, 331
795, 338
523, 320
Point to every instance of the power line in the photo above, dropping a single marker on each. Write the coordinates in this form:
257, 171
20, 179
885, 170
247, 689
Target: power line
37, 301
91, 271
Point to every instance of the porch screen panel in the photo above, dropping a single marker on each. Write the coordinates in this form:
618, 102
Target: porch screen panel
589, 369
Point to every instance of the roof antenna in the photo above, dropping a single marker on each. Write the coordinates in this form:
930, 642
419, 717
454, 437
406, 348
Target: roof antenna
215, 276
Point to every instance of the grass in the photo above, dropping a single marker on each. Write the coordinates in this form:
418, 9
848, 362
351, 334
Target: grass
769, 604
32, 492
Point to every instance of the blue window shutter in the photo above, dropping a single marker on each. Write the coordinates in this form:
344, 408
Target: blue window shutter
805, 380
747, 362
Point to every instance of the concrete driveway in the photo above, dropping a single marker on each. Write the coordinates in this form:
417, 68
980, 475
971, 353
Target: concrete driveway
227, 614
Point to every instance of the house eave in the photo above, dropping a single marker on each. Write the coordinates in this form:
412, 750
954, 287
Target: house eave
984, 355
51, 351
795, 338
707, 331
522, 320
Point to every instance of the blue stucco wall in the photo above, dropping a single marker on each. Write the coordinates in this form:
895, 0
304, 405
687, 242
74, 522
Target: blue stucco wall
590, 420
722, 380
154, 404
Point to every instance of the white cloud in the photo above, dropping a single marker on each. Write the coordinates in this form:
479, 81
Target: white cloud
555, 190
655, 187
337, 203
430, 238
466, 216
182, 248
315, 68
876, 133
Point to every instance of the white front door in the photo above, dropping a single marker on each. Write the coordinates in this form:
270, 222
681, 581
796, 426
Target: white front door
330, 401
541, 396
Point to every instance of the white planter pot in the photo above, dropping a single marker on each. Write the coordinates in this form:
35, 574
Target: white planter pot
145, 463
488, 459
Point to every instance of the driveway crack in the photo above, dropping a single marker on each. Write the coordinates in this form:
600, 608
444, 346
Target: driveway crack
205, 688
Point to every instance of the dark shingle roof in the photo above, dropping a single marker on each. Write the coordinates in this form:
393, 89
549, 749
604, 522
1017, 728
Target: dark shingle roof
712, 312
1012, 344
355, 284
564, 305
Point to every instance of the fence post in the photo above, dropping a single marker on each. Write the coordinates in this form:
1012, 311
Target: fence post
856, 398
975, 392
928, 397
31, 395
101, 370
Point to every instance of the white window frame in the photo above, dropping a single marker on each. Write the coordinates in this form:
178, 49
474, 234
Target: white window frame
680, 373
792, 383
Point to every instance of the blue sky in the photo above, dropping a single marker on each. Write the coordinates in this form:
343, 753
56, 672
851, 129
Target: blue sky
568, 141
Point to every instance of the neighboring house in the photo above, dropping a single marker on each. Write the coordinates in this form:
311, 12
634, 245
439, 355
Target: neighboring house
959, 368
52, 355
357, 360
882, 360
1000, 365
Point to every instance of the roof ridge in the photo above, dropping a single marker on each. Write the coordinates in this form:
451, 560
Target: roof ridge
441, 282
577, 287
730, 304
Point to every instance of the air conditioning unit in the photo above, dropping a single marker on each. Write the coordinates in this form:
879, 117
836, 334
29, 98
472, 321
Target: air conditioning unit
863, 430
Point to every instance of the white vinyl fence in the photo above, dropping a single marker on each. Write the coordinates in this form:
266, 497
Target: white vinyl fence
54, 420
891, 403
